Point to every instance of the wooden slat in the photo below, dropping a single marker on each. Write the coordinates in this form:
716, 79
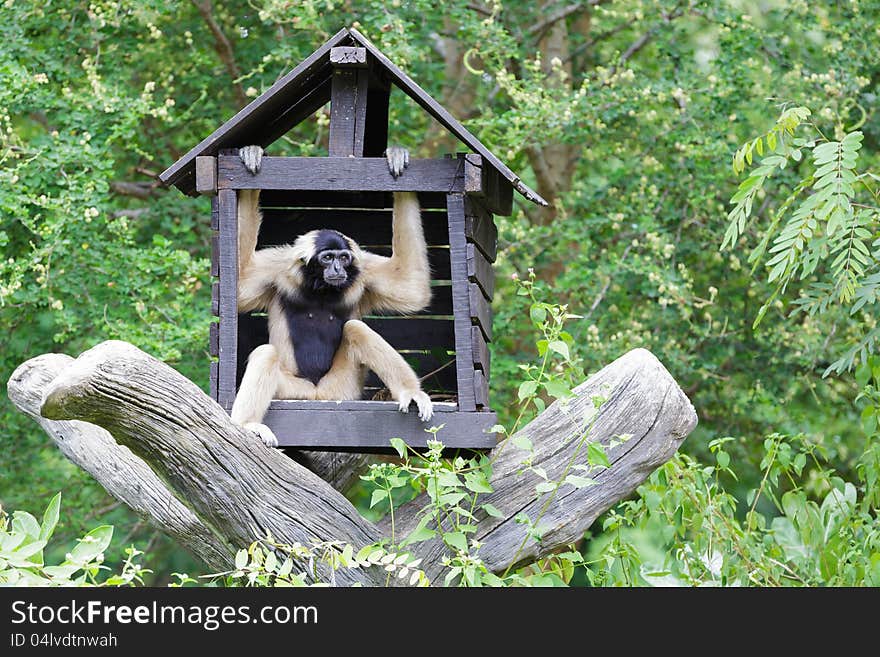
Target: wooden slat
214, 338
485, 183
414, 333
480, 271
212, 382
311, 101
372, 428
366, 227
443, 376
258, 113
215, 297
481, 353
215, 254
481, 388
228, 296
206, 174
339, 174
348, 109
480, 311
215, 213
460, 301
480, 229
280, 198
348, 56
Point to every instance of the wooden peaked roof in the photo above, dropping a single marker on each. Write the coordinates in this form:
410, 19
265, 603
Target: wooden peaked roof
302, 92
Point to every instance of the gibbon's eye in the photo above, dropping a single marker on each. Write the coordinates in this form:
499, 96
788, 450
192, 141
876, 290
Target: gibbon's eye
326, 257
345, 259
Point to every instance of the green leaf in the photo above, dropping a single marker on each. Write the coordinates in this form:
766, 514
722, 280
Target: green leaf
24, 522
545, 486
557, 389
723, 459
579, 482
560, 348
477, 482
596, 455
455, 540
50, 518
378, 495
241, 559
522, 441
527, 389
92, 544
399, 446
491, 510
421, 533
538, 314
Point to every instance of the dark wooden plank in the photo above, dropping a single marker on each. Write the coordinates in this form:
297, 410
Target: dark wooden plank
402, 333
206, 174
481, 388
215, 254
348, 56
348, 109
438, 259
214, 339
414, 333
481, 313
482, 357
373, 429
339, 174
366, 227
484, 182
436, 372
311, 101
215, 297
414, 91
212, 379
274, 198
258, 113
480, 271
460, 301
441, 303
215, 214
480, 229
228, 203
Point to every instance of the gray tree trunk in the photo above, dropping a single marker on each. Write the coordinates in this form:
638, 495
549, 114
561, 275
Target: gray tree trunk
179, 461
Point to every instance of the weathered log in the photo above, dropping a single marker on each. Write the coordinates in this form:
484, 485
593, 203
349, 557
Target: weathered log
642, 400
238, 490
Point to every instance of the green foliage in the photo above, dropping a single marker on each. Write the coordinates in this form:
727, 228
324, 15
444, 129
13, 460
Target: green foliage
23, 540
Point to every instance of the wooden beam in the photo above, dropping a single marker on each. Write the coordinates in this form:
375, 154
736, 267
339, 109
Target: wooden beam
484, 182
480, 271
480, 228
480, 310
348, 110
228, 302
351, 56
482, 357
206, 175
371, 429
340, 174
460, 301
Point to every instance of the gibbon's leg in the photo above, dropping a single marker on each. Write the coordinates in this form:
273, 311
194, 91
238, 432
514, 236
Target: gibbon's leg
257, 388
361, 345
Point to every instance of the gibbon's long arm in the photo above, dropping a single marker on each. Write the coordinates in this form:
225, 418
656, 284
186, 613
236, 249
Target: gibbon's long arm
258, 271
402, 282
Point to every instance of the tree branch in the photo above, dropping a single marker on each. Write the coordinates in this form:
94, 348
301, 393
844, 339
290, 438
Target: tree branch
223, 47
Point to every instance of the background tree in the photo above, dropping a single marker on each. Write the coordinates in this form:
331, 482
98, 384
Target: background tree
624, 114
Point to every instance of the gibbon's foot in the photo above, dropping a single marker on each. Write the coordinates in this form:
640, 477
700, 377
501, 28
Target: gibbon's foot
398, 159
426, 408
251, 157
263, 432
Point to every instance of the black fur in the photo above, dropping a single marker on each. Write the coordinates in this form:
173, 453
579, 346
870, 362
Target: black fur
315, 317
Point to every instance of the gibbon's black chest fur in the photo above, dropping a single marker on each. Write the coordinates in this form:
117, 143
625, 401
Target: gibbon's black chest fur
315, 327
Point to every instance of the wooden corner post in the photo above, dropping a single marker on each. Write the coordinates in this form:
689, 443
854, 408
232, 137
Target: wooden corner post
348, 101
225, 301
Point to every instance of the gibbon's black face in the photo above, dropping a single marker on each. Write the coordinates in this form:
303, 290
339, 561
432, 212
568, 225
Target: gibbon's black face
332, 266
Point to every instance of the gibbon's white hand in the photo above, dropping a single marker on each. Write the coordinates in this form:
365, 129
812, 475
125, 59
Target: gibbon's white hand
263, 432
251, 157
398, 159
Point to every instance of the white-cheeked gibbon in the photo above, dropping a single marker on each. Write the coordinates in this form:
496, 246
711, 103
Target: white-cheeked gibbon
315, 291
